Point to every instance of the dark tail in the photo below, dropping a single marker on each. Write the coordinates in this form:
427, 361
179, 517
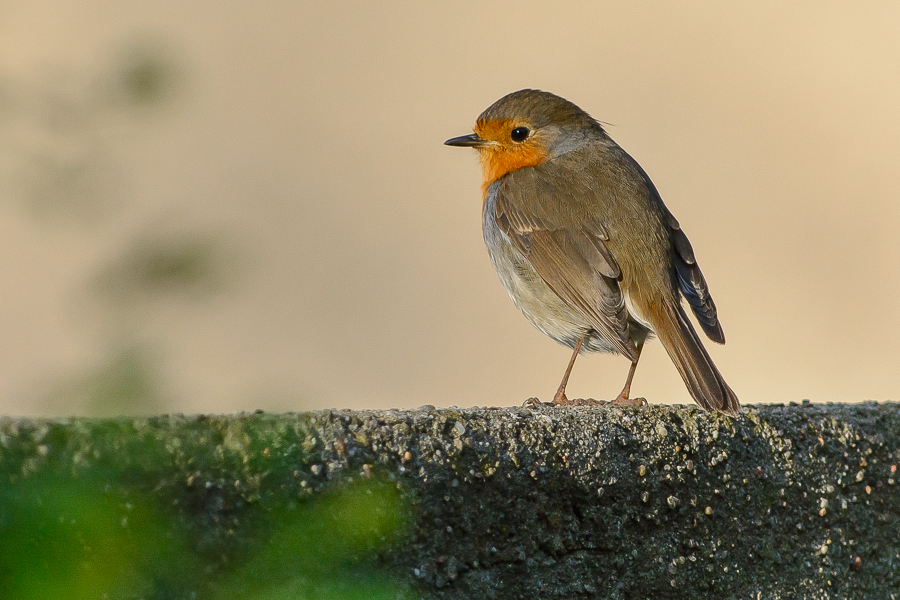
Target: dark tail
700, 375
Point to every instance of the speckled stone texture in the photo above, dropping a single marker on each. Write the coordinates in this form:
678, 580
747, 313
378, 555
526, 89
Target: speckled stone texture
798, 501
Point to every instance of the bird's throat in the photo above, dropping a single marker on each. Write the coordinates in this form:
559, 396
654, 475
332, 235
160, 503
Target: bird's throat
497, 162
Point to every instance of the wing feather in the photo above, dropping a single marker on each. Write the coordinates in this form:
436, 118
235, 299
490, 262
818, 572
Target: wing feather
572, 259
692, 283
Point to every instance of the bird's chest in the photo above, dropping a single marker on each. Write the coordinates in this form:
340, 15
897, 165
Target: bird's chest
540, 305
522, 282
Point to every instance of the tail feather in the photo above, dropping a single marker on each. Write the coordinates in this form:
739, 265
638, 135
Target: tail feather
702, 378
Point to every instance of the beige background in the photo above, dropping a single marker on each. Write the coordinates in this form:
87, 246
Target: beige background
305, 138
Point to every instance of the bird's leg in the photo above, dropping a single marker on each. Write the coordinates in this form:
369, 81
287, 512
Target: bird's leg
622, 399
560, 397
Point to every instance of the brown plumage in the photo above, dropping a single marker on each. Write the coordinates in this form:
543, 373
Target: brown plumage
584, 244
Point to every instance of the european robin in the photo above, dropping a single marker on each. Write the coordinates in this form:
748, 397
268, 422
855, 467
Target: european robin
585, 246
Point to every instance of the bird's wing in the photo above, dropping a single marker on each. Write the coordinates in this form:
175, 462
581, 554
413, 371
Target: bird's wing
691, 281
569, 254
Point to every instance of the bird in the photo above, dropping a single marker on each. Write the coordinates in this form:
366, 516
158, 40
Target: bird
585, 247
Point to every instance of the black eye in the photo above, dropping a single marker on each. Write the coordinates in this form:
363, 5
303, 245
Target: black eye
519, 134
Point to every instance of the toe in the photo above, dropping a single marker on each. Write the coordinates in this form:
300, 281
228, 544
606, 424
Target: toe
620, 401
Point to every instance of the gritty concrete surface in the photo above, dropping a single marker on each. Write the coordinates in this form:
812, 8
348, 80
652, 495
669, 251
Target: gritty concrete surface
798, 501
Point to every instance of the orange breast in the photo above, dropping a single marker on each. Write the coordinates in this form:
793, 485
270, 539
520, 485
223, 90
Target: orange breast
505, 155
495, 163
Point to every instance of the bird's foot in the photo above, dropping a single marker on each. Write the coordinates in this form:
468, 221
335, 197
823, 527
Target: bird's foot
577, 402
624, 401
562, 400
558, 400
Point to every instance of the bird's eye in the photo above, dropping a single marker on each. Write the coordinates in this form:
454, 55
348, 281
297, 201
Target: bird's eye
519, 134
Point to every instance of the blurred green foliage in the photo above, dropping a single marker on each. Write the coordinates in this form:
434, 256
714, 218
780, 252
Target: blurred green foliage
73, 538
64, 538
324, 549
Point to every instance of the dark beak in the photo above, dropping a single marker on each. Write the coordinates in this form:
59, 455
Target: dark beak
466, 141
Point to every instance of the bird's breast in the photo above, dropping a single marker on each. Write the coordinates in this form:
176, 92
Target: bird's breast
497, 162
529, 292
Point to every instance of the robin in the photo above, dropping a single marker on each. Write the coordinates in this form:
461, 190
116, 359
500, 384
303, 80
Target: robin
585, 246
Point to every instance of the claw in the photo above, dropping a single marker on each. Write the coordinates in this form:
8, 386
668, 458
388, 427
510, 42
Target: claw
622, 401
560, 399
581, 402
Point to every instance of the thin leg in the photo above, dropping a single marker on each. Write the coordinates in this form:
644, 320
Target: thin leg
623, 397
560, 397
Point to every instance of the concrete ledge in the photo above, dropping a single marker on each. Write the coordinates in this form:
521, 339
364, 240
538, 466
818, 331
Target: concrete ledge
799, 501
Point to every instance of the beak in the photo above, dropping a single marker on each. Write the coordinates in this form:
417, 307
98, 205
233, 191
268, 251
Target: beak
467, 141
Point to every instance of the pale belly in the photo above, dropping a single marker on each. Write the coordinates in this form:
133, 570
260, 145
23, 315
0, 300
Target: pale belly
540, 305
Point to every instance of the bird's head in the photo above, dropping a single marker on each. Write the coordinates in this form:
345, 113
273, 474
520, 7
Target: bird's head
524, 129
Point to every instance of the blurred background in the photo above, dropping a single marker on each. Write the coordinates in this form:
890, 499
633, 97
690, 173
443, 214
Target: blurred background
208, 207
